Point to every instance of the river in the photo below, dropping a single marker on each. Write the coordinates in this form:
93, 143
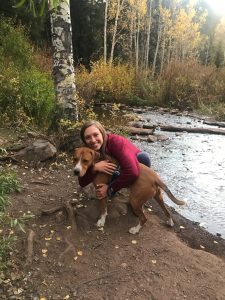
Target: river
192, 165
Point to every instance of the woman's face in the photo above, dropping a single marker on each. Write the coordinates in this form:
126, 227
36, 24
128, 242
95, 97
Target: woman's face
93, 138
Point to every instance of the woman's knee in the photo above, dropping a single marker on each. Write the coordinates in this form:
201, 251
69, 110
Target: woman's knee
144, 158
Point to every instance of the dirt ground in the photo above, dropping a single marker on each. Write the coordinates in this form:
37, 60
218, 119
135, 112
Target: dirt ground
161, 263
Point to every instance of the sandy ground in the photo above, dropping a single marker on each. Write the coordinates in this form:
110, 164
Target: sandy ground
161, 263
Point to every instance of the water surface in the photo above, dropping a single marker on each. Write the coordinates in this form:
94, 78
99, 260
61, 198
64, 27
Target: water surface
192, 165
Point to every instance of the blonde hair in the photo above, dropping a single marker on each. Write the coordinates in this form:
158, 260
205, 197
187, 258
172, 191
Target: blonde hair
99, 126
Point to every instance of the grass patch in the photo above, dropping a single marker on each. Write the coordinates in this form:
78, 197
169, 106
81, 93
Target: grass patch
8, 184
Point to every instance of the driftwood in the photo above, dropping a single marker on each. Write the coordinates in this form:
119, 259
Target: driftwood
193, 130
214, 123
139, 131
150, 138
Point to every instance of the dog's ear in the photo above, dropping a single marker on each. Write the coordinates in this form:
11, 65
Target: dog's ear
96, 156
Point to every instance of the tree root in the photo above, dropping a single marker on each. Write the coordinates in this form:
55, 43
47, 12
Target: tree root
68, 248
69, 209
30, 247
71, 215
106, 275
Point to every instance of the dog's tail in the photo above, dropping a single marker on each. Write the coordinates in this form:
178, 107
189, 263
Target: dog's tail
170, 195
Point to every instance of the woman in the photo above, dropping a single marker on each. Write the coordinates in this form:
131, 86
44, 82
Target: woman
127, 155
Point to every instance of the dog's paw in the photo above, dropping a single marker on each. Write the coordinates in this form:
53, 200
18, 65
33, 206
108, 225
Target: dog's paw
135, 230
100, 223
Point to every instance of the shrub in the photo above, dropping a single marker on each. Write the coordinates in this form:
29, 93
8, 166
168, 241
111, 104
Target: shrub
26, 93
26, 96
116, 84
191, 84
14, 44
106, 83
8, 184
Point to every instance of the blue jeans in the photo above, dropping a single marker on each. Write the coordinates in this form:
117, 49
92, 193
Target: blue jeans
143, 158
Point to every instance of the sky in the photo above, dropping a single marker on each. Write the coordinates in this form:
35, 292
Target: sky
218, 6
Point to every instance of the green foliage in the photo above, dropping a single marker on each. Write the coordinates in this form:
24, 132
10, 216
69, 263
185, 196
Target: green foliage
26, 93
8, 184
14, 45
6, 243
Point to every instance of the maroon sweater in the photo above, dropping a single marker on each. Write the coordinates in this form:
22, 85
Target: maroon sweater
125, 153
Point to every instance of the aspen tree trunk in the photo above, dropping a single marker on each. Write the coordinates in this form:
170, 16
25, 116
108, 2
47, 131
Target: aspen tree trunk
147, 46
63, 68
131, 37
119, 7
169, 50
163, 51
105, 31
137, 43
157, 45
207, 53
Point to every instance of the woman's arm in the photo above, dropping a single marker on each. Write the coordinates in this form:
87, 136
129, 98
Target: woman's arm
87, 178
102, 166
125, 153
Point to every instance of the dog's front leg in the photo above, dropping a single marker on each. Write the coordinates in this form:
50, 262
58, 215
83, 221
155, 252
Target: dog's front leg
103, 210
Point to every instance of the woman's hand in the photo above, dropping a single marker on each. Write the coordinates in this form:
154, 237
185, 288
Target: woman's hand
105, 166
101, 190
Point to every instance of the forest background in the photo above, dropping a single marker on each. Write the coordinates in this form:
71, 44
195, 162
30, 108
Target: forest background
143, 52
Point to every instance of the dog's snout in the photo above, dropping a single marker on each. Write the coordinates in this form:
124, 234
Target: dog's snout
76, 172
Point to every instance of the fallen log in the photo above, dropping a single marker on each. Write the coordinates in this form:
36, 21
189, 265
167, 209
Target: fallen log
139, 131
193, 130
214, 123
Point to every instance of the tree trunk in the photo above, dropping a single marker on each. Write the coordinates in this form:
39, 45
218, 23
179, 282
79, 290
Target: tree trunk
131, 38
157, 47
137, 43
105, 31
163, 49
146, 57
63, 68
119, 7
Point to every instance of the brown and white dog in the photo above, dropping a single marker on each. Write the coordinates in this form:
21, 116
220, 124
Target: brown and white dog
148, 185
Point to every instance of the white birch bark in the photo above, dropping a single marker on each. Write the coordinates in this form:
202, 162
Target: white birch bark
137, 43
63, 67
131, 37
147, 45
163, 50
157, 44
105, 31
119, 7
